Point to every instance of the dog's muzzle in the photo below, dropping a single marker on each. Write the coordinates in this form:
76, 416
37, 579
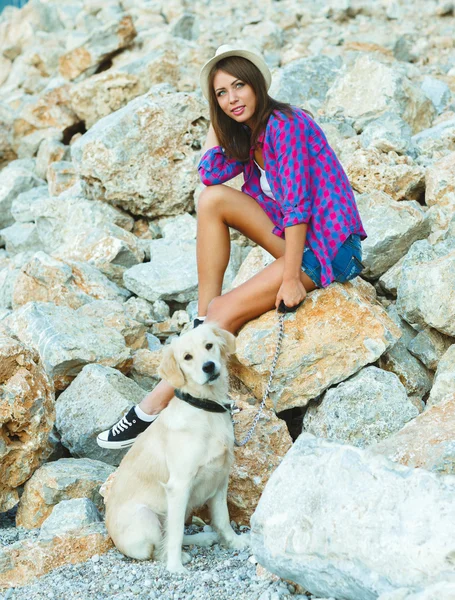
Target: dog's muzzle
209, 368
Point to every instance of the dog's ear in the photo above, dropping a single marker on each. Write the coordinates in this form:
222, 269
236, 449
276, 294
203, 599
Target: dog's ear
226, 340
169, 369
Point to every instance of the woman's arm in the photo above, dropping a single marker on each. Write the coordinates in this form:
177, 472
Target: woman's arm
292, 290
215, 167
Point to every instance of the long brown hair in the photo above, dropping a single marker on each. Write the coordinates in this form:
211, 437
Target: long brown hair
234, 137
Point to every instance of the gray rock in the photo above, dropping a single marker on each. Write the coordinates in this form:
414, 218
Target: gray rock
171, 273
182, 227
21, 237
305, 82
343, 522
436, 141
439, 591
388, 133
69, 515
392, 228
444, 380
429, 346
437, 91
426, 294
415, 377
21, 208
141, 157
146, 312
362, 410
379, 87
390, 280
93, 402
66, 341
16, 178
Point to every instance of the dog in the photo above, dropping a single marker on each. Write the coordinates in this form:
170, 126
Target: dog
182, 460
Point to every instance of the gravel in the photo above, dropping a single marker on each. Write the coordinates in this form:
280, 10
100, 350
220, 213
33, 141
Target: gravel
215, 573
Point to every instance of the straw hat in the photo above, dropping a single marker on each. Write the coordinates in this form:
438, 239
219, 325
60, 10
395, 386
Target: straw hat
227, 50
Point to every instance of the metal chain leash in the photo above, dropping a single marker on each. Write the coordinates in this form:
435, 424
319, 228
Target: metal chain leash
247, 438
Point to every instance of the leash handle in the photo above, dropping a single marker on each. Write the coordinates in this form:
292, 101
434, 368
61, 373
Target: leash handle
282, 308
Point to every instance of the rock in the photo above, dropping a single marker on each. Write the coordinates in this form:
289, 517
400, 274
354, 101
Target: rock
50, 151
438, 591
427, 442
26, 417
436, 141
66, 341
21, 237
437, 91
388, 133
16, 178
429, 346
440, 183
398, 176
428, 272
342, 507
21, 207
380, 88
305, 82
144, 370
392, 228
179, 320
256, 260
23, 561
93, 402
146, 312
113, 314
182, 227
444, 379
57, 481
61, 176
140, 158
98, 46
411, 372
104, 247
65, 283
365, 409
390, 280
69, 515
337, 331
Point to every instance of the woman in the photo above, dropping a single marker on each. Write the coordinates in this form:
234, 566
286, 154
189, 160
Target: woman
296, 203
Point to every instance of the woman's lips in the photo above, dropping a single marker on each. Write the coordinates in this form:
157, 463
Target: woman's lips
238, 111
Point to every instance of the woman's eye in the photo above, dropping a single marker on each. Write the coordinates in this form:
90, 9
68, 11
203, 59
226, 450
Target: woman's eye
187, 357
220, 94
239, 84
208, 346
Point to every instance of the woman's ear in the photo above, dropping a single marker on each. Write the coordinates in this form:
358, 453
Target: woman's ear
169, 369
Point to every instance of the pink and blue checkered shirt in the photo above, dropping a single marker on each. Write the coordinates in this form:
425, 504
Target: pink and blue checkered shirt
306, 179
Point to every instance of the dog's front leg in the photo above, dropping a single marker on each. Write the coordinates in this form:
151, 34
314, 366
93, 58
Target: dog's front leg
220, 520
177, 492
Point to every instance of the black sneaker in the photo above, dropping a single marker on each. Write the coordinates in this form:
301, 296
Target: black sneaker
124, 433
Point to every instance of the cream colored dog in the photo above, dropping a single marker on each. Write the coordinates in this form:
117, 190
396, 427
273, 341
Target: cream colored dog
181, 461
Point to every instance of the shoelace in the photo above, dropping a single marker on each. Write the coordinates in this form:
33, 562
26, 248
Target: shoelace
121, 426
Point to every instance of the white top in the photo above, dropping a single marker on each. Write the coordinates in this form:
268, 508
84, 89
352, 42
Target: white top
264, 183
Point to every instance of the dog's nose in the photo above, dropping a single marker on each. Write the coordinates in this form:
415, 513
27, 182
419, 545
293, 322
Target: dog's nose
208, 367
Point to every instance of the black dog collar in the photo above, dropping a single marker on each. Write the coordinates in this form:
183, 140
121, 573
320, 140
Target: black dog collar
203, 403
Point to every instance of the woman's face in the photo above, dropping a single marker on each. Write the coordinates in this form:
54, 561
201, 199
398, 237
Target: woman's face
235, 98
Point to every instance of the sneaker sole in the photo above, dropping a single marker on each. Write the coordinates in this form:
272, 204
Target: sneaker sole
114, 445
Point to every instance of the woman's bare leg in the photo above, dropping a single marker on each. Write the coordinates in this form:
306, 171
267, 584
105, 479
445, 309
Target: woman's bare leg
219, 207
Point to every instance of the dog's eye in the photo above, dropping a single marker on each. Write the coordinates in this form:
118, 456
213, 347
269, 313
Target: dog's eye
187, 357
208, 346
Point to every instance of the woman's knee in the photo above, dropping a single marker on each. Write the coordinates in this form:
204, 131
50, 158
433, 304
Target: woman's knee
211, 198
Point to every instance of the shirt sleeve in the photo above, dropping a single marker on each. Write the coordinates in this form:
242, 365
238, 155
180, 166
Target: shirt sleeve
289, 138
215, 167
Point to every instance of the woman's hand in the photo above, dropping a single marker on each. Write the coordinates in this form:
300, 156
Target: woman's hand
292, 292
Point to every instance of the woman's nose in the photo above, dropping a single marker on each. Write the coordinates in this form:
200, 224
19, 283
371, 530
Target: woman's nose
233, 96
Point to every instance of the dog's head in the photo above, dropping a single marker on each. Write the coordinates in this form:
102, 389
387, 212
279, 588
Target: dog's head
196, 357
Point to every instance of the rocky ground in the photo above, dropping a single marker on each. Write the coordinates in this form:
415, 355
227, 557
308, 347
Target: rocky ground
101, 125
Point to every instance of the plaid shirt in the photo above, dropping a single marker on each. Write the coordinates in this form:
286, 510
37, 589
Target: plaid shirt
307, 181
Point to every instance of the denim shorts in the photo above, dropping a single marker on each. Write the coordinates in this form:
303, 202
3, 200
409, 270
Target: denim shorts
346, 265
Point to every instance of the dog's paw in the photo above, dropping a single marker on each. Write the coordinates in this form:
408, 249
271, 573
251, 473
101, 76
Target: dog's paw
238, 542
177, 568
185, 557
